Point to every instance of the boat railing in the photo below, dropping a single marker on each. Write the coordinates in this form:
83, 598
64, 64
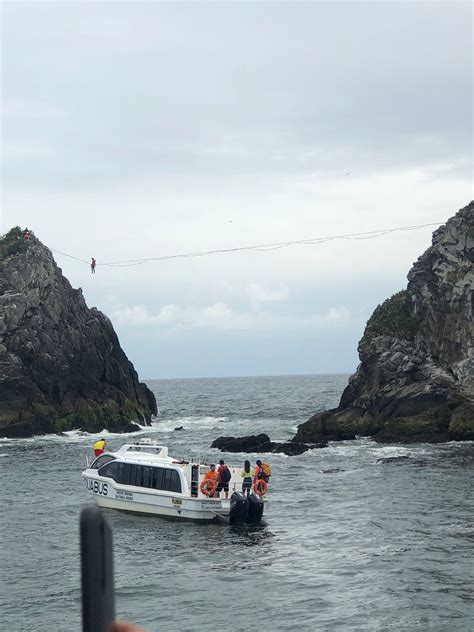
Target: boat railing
234, 486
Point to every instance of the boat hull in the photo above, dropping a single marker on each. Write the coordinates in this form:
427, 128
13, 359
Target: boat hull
109, 495
164, 512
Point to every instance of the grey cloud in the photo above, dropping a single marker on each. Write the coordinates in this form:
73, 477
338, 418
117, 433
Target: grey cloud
147, 126
190, 91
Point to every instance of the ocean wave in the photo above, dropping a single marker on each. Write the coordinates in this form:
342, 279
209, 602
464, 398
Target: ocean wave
188, 422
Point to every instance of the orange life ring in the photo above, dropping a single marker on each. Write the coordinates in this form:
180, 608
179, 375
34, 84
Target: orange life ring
260, 487
208, 486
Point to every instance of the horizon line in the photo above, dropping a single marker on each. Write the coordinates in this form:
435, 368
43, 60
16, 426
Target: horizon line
226, 377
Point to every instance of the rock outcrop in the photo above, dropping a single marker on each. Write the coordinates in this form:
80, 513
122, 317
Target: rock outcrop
61, 364
322, 427
261, 444
415, 381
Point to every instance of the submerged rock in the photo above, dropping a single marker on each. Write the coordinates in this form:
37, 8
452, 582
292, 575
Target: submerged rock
393, 459
415, 381
293, 448
401, 459
62, 364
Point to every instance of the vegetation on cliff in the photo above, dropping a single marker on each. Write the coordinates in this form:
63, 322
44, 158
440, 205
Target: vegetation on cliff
12, 243
392, 318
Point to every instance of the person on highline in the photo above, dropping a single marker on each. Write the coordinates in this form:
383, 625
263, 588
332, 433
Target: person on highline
93, 263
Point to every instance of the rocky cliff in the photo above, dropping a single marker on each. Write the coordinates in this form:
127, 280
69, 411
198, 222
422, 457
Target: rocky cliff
61, 364
415, 381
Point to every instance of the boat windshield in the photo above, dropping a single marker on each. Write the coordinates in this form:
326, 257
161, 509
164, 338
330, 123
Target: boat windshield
103, 459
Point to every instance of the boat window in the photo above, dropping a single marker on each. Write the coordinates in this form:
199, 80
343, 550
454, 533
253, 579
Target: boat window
171, 481
127, 469
119, 473
142, 476
101, 460
166, 480
110, 470
147, 476
157, 478
136, 477
175, 483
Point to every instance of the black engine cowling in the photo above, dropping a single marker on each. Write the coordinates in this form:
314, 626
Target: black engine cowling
254, 509
238, 508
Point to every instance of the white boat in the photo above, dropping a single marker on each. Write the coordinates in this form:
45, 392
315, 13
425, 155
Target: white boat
141, 477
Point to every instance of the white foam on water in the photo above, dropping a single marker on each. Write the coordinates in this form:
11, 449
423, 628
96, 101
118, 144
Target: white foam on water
365, 446
188, 423
280, 454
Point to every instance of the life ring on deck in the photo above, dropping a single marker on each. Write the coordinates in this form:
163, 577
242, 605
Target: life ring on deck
260, 487
208, 486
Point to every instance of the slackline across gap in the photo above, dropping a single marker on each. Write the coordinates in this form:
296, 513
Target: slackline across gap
256, 248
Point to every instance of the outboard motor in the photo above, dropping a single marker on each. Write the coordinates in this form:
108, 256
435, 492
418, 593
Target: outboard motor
238, 508
255, 508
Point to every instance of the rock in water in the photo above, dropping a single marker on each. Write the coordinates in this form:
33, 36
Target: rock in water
62, 366
322, 427
393, 459
252, 443
415, 381
261, 444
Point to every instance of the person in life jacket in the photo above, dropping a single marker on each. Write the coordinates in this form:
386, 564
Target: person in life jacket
93, 265
247, 475
99, 447
224, 478
213, 476
262, 472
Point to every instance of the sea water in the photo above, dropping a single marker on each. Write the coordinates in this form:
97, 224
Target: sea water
348, 544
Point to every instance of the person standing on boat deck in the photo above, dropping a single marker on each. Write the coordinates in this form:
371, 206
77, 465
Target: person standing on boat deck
247, 474
212, 475
224, 478
260, 473
99, 447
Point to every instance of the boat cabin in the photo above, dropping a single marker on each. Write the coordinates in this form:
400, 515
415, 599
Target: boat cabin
147, 464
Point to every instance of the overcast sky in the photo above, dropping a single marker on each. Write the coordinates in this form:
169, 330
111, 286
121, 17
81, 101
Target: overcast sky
146, 129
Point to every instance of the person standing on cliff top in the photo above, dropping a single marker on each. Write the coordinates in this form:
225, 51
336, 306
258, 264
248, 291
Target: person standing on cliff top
92, 265
26, 235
